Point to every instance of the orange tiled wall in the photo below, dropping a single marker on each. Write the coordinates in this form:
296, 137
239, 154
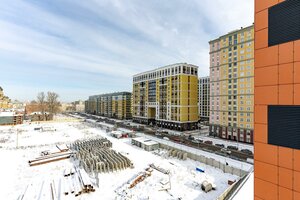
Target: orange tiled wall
277, 82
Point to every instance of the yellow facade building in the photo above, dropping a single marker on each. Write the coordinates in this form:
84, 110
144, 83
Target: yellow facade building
232, 85
5, 102
167, 97
115, 105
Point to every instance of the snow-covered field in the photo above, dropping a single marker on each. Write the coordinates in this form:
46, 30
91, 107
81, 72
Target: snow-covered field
16, 175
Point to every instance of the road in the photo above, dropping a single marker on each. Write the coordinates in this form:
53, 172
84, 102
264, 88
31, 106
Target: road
178, 138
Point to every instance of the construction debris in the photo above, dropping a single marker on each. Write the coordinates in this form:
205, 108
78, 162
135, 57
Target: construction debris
123, 190
142, 176
95, 155
164, 171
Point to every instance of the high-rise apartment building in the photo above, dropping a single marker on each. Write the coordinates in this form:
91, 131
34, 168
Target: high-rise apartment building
277, 100
232, 85
167, 97
115, 105
204, 91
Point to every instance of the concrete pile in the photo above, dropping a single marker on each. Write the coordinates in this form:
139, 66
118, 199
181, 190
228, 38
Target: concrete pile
96, 155
177, 154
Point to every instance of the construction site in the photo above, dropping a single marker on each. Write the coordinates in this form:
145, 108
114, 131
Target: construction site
76, 159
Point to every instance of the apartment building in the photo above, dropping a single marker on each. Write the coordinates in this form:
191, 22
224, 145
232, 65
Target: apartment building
277, 100
232, 85
5, 102
167, 97
204, 99
114, 105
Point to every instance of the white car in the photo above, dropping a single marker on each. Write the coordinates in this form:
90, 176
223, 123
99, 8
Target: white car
166, 138
224, 150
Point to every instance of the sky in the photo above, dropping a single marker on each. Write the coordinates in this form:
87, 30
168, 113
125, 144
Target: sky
79, 48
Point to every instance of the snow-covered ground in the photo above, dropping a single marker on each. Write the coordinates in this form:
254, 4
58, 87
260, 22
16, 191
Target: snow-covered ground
247, 190
16, 174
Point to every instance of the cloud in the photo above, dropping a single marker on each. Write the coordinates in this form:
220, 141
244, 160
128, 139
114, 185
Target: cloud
97, 45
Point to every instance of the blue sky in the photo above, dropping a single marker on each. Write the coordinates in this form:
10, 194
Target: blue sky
79, 48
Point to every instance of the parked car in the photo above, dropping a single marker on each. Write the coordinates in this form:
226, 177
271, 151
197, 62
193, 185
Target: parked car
157, 133
247, 151
196, 141
199, 140
220, 145
225, 150
208, 142
232, 148
166, 138
191, 137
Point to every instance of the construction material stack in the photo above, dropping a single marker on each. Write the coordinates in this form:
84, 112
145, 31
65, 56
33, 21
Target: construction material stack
96, 155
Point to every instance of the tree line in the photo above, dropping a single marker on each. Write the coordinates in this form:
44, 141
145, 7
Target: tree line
48, 103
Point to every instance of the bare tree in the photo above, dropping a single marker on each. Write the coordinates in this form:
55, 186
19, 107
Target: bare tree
52, 102
41, 101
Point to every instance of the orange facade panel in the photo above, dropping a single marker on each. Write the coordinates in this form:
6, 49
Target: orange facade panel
297, 72
286, 94
285, 178
285, 194
260, 113
264, 4
266, 153
285, 157
266, 95
297, 50
266, 76
297, 94
261, 133
261, 20
266, 56
286, 52
262, 41
296, 178
296, 160
266, 172
265, 190
277, 82
286, 73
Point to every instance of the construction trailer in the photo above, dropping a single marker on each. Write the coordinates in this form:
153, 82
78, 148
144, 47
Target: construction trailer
145, 143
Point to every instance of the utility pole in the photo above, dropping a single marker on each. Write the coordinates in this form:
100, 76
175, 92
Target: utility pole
17, 138
170, 180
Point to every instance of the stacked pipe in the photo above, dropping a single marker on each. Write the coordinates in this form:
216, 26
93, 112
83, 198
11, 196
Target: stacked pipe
76, 181
50, 158
96, 155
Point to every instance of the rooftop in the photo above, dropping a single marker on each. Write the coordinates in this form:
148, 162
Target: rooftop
231, 32
7, 114
145, 141
164, 67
